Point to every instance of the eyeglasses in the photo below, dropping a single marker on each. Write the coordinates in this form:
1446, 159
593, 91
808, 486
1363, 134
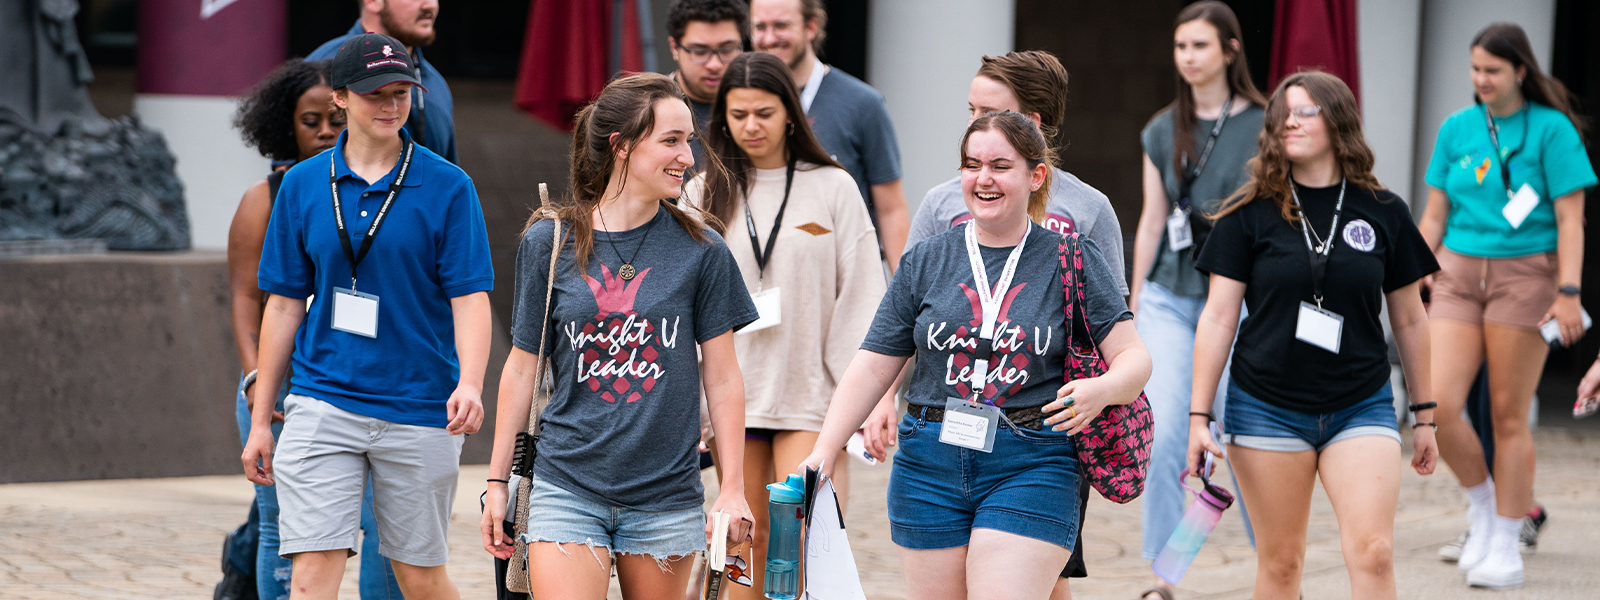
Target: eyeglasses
701, 55
1305, 112
738, 570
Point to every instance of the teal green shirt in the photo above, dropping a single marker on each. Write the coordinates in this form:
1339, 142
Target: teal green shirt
1545, 152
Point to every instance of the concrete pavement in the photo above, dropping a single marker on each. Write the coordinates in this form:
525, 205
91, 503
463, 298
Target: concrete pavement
160, 538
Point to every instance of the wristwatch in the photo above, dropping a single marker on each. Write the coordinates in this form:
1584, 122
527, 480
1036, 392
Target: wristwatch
1570, 290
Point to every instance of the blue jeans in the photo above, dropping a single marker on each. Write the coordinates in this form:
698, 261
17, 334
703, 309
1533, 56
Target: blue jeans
1166, 323
273, 572
939, 493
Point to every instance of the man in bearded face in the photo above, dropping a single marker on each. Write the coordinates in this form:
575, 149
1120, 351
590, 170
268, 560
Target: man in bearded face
432, 121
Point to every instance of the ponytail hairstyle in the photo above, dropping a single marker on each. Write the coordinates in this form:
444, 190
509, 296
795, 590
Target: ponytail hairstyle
1269, 170
1508, 41
627, 108
765, 72
1238, 75
1028, 141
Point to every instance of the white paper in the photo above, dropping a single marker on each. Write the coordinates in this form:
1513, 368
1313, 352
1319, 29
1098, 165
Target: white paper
1178, 234
830, 565
356, 313
769, 306
1520, 206
965, 430
1319, 328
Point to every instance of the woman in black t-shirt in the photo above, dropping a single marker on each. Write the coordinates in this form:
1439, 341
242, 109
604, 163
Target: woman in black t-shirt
1309, 392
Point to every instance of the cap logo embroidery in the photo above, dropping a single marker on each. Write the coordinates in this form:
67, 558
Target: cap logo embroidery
387, 51
387, 61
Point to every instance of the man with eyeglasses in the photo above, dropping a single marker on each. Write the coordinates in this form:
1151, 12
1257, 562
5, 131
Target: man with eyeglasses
704, 35
849, 118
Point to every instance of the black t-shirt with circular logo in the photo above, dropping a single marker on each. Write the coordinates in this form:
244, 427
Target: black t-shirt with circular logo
1377, 249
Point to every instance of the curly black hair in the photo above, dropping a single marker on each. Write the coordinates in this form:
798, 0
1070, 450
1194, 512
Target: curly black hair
266, 112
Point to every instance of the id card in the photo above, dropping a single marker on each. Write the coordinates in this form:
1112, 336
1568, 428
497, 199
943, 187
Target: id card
1319, 327
1520, 206
1178, 235
769, 306
355, 312
968, 425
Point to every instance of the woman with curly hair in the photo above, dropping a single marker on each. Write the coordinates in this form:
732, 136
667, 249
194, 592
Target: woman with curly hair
289, 117
1316, 247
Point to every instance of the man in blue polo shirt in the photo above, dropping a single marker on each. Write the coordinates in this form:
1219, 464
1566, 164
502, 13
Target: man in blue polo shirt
389, 240
432, 120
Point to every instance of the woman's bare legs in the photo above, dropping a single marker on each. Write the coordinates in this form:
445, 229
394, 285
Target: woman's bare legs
1516, 361
1277, 487
1362, 478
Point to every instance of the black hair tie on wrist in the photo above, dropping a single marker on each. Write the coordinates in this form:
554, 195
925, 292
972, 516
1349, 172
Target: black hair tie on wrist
505, 481
1423, 406
1435, 426
1195, 413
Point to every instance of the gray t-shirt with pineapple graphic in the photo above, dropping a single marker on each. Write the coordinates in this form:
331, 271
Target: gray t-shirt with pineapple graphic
623, 422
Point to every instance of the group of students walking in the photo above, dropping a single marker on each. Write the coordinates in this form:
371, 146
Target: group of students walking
661, 327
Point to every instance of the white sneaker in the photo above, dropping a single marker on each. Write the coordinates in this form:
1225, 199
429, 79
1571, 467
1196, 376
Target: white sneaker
1451, 552
1476, 546
1502, 567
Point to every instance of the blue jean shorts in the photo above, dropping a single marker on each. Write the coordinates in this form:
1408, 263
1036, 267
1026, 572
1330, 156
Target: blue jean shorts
557, 515
1253, 423
938, 493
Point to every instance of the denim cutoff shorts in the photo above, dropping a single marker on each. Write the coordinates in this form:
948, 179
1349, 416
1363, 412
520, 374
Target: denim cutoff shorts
557, 515
1253, 423
938, 493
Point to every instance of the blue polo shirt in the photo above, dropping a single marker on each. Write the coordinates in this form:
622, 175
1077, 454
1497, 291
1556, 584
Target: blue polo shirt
435, 105
432, 247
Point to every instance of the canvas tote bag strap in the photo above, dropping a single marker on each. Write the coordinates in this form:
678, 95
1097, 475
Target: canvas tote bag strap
540, 400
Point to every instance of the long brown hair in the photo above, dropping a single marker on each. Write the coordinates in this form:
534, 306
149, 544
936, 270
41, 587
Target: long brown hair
625, 107
1269, 170
760, 71
1028, 141
1510, 42
1239, 83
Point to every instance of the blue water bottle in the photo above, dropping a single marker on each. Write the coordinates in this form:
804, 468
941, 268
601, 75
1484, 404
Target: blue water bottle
1192, 531
784, 520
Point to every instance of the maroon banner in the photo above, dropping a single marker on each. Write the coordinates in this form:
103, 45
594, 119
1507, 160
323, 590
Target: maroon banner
1317, 35
568, 55
209, 47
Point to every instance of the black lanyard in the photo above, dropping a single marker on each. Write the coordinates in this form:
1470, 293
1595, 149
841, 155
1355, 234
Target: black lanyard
372, 232
1494, 137
1320, 252
777, 225
1205, 155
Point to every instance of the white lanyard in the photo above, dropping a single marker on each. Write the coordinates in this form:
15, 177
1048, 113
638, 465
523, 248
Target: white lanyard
809, 93
989, 300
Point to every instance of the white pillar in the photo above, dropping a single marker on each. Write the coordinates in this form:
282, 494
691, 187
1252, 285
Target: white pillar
1445, 69
213, 162
1390, 31
922, 55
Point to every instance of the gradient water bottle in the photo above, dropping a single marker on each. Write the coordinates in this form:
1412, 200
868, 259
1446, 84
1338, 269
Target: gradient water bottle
784, 502
1192, 531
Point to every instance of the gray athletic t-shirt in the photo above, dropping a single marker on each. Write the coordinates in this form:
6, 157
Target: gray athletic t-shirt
852, 123
1225, 172
1074, 206
623, 422
932, 310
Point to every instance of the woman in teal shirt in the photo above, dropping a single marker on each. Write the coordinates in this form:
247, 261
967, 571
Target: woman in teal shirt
1508, 176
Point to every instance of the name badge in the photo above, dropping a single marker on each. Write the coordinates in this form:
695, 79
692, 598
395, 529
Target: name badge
355, 312
1319, 327
1178, 235
968, 425
1521, 205
769, 306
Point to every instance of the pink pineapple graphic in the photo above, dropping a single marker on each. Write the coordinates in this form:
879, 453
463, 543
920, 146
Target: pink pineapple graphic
624, 343
962, 357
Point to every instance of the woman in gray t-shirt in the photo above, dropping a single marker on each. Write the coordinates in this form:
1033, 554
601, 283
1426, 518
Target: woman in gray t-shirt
1213, 124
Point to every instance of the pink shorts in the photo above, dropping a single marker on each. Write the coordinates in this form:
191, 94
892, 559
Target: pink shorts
1516, 292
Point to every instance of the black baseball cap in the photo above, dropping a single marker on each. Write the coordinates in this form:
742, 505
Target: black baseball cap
370, 61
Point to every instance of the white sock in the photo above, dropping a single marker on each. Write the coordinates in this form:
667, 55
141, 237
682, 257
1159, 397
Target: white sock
1482, 496
1507, 529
